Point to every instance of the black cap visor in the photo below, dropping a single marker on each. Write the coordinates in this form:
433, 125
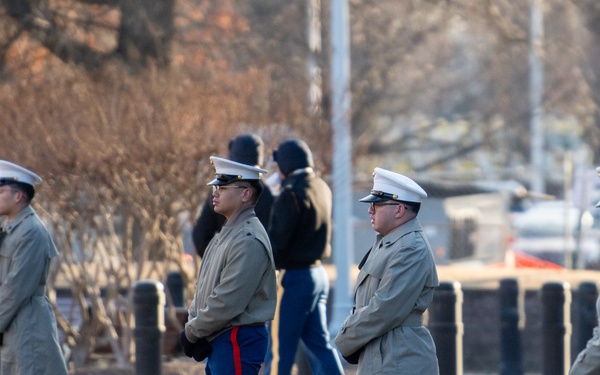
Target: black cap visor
225, 179
378, 196
8, 181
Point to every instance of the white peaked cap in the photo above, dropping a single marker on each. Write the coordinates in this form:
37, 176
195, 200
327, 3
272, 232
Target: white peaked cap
388, 185
227, 171
10, 173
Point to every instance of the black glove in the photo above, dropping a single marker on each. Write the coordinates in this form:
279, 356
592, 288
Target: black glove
353, 358
198, 350
201, 349
186, 344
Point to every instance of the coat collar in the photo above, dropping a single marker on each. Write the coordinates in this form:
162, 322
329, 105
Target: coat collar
244, 214
384, 241
10, 225
410, 226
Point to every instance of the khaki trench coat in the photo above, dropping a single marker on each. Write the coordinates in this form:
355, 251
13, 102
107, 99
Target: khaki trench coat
393, 289
26, 316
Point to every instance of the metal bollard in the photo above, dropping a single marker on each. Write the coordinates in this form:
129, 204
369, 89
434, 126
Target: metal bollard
586, 311
149, 304
175, 288
556, 328
511, 325
445, 324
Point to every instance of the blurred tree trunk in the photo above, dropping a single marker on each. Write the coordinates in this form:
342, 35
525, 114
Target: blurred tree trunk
17, 8
146, 31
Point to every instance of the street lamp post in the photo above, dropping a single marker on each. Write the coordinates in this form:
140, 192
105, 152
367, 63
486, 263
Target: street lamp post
342, 162
536, 89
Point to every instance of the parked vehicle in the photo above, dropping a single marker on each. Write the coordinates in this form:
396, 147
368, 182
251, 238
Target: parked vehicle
558, 232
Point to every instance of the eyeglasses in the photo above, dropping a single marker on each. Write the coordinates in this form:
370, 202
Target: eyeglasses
221, 188
374, 204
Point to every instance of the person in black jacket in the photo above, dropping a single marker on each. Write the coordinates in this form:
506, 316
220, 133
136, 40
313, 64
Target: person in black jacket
246, 149
300, 234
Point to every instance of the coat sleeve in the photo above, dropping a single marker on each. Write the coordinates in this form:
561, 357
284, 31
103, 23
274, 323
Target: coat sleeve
396, 294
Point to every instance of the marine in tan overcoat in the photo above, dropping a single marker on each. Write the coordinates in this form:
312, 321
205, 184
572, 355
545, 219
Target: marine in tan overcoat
394, 287
27, 321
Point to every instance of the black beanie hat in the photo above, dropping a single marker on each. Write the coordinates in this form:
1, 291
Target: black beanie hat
247, 149
292, 155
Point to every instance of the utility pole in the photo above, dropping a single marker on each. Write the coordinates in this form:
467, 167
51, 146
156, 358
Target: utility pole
313, 21
536, 89
343, 247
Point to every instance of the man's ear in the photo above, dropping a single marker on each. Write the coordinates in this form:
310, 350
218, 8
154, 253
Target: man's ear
400, 211
247, 195
20, 196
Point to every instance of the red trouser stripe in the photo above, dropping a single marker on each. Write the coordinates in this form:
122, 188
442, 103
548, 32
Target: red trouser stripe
237, 358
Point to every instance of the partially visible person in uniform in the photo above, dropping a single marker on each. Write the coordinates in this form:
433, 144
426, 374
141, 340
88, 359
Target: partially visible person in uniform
300, 232
246, 149
384, 333
236, 289
27, 321
588, 360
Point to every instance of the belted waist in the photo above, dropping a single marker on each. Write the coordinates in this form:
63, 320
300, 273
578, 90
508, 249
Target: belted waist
254, 325
229, 328
413, 320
